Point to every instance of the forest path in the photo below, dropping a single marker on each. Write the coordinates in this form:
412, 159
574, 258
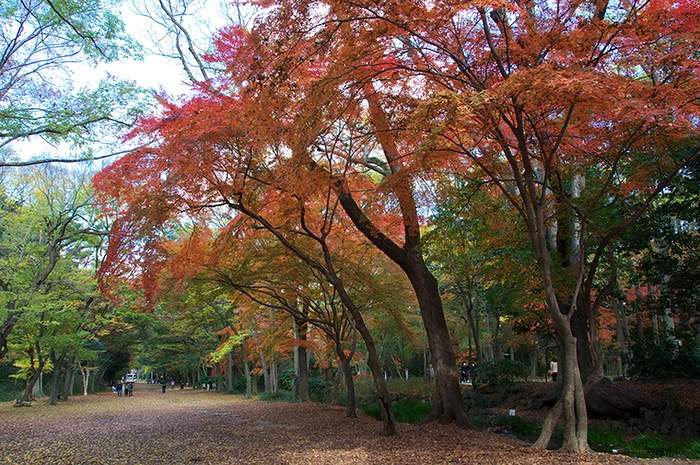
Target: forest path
195, 427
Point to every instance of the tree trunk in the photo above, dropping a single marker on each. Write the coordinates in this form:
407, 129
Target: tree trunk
274, 385
301, 371
448, 404
375, 367
266, 372
571, 403
350, 409
71, 390
67, 380
473, 327
29, 387
246, 372
496, 346
229, 371
85, 373
58, 370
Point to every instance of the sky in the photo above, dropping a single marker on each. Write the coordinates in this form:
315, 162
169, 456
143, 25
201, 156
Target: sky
154, 71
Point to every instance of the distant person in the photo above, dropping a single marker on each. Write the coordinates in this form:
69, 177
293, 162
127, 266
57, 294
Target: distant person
172, 383
163, 385
120, 388
464, 373
554, 370
130, 389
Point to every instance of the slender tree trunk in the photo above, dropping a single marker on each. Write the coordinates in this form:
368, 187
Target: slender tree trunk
266, 372
350, 409
473, 327
301, 371
229, 372
497, 347
534, 357
246, 372
273, 375
86, 378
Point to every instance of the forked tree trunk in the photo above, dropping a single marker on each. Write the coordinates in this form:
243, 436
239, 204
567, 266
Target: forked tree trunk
571, 405
29, 387
383, 397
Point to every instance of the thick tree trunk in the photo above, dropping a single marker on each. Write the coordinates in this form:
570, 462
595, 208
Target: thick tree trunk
448, 404
29, 387
584, 329
71, 389
58, 370
67, 380
571, 404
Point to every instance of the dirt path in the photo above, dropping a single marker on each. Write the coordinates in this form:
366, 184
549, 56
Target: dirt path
189, 427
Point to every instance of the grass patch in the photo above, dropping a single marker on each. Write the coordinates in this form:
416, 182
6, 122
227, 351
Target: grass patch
601, 439
279, 396
10, 391
405, 411
642, 446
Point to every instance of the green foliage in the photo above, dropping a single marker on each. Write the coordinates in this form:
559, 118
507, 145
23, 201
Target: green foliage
501, 373
661, 356
607, 439
279, 396
405, 411
321, 389
39, 96
286, 379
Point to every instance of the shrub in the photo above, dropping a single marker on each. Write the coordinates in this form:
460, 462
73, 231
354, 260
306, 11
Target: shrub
279, 396
500, 373
405, 411
286, 379
321, 389
660, 356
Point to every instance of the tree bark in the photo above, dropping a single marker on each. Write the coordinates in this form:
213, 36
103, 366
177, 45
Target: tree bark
448, 404
301, 386
29, 387
55, 377
246, 372
229, 371
350, 409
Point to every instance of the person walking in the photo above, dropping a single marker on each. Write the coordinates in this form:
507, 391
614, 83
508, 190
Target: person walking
554, 369
163, 385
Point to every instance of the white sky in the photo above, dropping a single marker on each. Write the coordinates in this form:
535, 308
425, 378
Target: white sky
155, 72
